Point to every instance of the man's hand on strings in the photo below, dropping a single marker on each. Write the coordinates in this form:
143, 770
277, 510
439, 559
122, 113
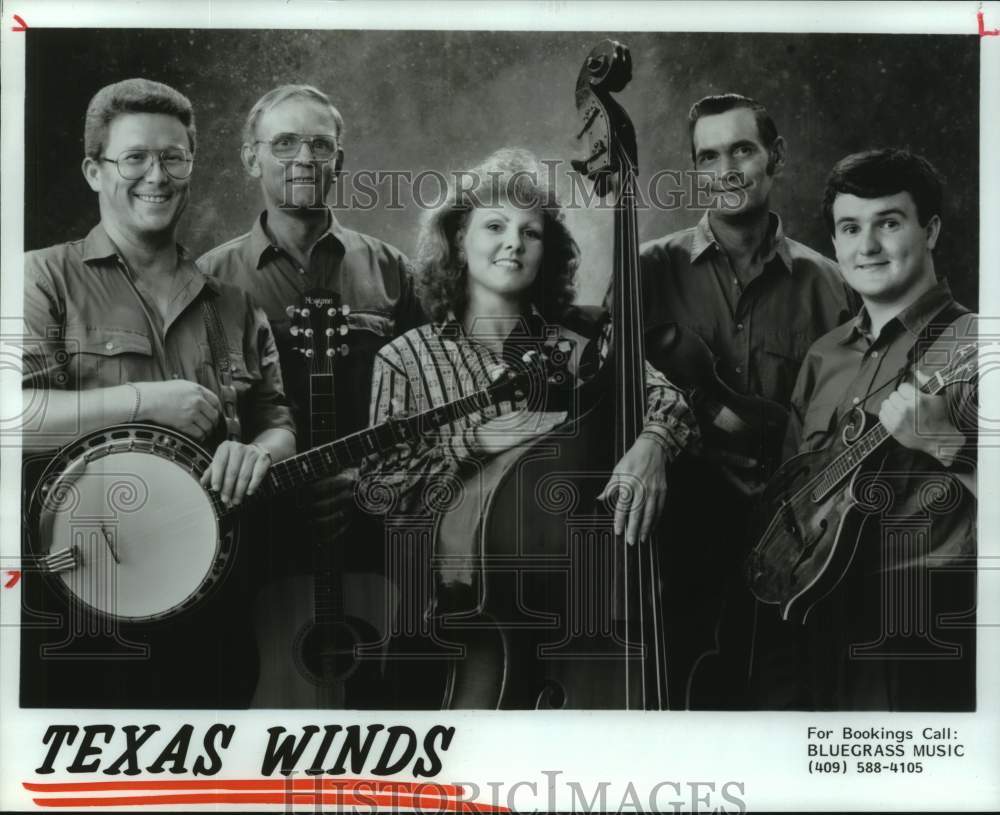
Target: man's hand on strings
236, 471
920, 421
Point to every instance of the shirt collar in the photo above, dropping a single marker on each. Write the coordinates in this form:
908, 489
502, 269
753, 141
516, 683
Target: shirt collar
774, 241
262, 242
98, 246
451, 327
914, 318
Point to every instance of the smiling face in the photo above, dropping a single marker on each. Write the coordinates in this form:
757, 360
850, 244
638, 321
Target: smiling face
302, 182
729, 146
883, 251
152, 205
503, 248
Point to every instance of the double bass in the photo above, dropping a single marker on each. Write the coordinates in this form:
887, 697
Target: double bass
561, 613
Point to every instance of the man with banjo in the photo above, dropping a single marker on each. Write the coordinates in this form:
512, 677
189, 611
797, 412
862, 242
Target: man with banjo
123, 328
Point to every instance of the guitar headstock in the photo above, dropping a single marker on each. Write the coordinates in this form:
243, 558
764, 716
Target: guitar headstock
610, 135
320, 330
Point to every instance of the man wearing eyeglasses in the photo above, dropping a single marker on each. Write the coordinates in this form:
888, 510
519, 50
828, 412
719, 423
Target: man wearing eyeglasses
119, 334
293, 144
297, 255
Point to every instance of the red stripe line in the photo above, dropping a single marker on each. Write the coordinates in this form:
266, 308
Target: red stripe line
369, 784
396, 801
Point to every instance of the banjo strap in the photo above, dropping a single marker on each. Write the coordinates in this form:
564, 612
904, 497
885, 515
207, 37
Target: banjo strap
223, 364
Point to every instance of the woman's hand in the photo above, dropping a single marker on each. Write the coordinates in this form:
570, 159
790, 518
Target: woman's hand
640, 483
236, 471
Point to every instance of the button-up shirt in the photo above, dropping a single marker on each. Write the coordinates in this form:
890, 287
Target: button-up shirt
851, 369
369, 276
898, 631
91, 323
438, 363
758, 323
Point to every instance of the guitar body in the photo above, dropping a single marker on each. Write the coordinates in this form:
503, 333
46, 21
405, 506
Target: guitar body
748, 427
305, 664
808, 546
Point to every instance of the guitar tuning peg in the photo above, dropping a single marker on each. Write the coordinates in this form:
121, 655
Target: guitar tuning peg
308, 353
344, 350
308, 332
290, 311
329, 332
530, 357
330, 312
294, 330
330, 352
343, 329
345, 309
305, 312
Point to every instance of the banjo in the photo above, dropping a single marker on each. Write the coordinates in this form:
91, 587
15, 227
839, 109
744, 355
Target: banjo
119, 520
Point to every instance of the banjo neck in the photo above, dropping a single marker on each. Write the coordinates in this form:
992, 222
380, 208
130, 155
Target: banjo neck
348, 451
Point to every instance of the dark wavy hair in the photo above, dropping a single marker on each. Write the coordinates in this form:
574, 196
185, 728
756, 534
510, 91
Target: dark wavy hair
885, 172
724, 102
507, 176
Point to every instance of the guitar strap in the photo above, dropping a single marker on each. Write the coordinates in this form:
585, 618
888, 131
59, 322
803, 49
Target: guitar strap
223, 365
944, 319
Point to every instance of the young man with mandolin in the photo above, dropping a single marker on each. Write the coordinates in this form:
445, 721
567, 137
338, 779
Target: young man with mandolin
730, 306
125, 329
874, 546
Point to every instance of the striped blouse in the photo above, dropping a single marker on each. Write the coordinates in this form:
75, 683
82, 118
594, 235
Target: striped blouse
438, 363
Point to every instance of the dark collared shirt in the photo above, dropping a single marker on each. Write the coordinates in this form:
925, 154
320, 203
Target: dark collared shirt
437, 363
849, 368
898, 631
760, 325
371, 277
92, 324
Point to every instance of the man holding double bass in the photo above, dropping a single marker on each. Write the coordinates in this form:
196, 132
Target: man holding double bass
730, 307
892, 624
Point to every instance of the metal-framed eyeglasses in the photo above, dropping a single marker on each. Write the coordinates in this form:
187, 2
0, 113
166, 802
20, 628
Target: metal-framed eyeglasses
287, 145
134, 164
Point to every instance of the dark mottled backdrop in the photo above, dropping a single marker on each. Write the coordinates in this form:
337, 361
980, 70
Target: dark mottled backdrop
443, 100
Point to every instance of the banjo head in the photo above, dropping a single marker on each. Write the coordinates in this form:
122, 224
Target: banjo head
125, 527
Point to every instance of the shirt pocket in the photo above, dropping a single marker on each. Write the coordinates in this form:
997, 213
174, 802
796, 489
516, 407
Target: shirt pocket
780, 361
105, 356
244, 375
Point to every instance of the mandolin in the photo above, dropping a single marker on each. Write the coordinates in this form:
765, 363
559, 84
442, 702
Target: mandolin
818, 504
